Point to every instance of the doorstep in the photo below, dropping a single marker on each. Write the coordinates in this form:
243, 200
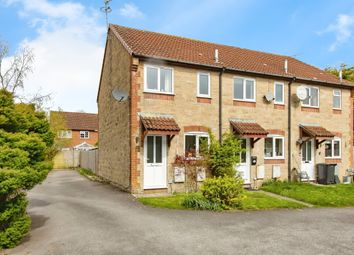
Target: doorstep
154, 193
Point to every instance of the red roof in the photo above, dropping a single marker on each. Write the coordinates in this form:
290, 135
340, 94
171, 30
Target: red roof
175, 48
248, 129
165, 124
79, 120
317, 131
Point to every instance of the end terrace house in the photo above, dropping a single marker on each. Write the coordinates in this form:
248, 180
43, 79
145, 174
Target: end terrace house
159, 95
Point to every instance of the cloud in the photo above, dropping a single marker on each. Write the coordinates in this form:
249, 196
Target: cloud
343, 30
130, 11
68, 49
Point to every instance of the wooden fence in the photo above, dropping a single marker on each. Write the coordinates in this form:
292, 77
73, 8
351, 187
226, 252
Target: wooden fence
89, 159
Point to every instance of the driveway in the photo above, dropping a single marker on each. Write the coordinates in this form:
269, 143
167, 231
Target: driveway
72, 215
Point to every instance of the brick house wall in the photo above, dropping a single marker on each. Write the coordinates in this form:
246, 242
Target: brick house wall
76, 139
114, 130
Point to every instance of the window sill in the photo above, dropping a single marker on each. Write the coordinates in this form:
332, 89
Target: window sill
310, 109
274, 160
337, 111
155, 95
244, 103
205, 100
279, 106
333, 160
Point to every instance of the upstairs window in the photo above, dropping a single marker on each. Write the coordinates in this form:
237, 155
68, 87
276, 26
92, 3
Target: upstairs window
158, 79
244, 89
274, 147
193, 144
279, 93
333, 148
312, 99
337, 99
203, 85
65, 134
84, 134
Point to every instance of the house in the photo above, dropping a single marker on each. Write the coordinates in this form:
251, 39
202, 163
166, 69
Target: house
290, 116
78, 130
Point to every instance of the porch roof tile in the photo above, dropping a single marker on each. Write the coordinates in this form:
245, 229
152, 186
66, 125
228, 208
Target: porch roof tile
316, 131
160, 123
248, 129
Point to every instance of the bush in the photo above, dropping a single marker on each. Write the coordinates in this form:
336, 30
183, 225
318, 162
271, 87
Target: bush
227, 192
197, 201
12, 235
13, 158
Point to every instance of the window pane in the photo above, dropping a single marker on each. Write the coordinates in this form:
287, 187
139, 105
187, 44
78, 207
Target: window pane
336, 102
303, 153
165, 80
243, 153
203, 144
158, 146
190, 146
314, 97
336, 148
307, 100
249, 89
309, 150
151, 78
150, 149
279, 93
328, 149
278, 147
268, 147
238, 88
203, 84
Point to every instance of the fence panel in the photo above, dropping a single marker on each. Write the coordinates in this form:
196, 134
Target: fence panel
89, 159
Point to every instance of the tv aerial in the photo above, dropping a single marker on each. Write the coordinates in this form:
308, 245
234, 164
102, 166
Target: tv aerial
106, 9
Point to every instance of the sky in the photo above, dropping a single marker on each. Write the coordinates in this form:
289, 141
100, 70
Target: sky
68, 36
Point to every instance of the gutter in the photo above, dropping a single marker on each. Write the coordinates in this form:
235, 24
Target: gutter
289, 128
220, 103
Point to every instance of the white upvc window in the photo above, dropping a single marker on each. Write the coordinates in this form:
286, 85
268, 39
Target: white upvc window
244, 89
84, 134
65, 134
337, 99
203, 85
158, 79
274, 147
279, 93
193, 142
313, 97
333, 148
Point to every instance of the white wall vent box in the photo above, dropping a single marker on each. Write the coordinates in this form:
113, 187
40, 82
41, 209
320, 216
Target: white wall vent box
260, 172
276, 171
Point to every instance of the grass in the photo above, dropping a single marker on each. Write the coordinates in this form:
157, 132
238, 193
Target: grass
253, 201
86, 172
341, 195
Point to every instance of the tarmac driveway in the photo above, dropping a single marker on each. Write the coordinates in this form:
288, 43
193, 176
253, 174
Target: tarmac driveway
72, 215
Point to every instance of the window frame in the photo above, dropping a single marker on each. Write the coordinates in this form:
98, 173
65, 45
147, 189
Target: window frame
158, 91
84, 132
274, 137
340, 99
332, 148
197, 134
244, 89
198, 85
275, 90
318, 95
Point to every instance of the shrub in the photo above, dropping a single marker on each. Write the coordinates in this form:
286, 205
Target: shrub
198, 201
225, 191
13, 158
12, 235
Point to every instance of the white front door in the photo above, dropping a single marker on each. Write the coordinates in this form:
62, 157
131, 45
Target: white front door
155, 170
307, 158
244, 167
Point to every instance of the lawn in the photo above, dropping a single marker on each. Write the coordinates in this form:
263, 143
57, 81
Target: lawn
340, 195
254, 201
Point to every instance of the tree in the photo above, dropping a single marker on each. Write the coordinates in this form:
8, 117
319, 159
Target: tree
347, 72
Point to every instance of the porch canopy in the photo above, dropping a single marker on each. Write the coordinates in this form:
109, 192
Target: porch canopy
159, 125
248, 129
320, 134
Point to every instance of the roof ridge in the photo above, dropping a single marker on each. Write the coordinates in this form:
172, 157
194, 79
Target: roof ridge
75, 112
198, 40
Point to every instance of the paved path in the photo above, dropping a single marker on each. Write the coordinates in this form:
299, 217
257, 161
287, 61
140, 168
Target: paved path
286, 198
72, 215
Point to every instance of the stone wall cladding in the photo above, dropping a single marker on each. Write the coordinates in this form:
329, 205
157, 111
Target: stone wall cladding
114, 144
188, 113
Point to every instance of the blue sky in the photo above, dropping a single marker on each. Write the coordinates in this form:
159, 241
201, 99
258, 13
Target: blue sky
68, 36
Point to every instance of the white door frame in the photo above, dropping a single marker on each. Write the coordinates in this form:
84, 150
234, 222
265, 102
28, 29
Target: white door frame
155, 173
244, 168
308, 165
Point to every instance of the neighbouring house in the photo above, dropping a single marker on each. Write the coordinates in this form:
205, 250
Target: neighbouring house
290, 116
78, 130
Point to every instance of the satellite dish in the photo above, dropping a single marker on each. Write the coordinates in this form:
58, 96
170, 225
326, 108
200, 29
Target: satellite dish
269, 96
301, 92
119, 95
